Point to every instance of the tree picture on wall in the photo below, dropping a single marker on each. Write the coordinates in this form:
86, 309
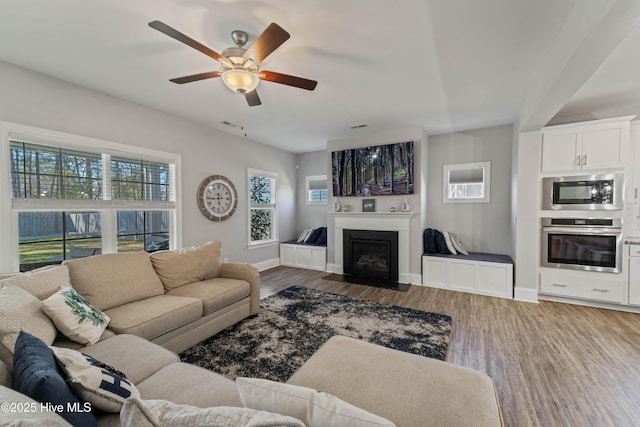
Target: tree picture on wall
373, 171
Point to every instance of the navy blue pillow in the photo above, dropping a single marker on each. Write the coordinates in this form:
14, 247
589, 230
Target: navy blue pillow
314, 235
441, 243
429, 241
35, 374
322, 239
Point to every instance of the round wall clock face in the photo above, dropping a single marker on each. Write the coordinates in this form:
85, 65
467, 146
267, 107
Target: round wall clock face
217, 198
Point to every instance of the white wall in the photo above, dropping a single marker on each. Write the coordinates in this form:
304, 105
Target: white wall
482, 227
310, 164
37, 100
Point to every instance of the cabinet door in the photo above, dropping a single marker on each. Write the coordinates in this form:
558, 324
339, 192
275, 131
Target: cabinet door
634, 280
560, 151
603, 147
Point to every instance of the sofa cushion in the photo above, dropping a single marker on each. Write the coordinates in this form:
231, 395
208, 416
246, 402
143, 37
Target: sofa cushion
160, 413
19, 310
33, 414
152, 317
198, 386
136, 357
42, 282
110, 280
183, 266
312, 407
75, 317
214, 293
94, 381
35, 375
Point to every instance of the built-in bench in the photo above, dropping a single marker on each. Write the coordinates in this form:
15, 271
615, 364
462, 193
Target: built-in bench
303, 255
476, 273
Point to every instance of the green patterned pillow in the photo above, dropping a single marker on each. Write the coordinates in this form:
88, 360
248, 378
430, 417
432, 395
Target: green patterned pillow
75, 317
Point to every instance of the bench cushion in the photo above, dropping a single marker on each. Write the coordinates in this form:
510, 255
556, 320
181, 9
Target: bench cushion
476, 256
411, 390
214, 293
152, 317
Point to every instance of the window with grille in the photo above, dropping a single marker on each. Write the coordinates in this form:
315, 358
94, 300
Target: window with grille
73, 202
262, 207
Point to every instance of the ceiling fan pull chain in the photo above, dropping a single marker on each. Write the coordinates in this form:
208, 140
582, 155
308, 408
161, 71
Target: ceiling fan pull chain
243, 116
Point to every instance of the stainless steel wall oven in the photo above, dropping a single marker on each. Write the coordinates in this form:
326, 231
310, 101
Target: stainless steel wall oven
593, 244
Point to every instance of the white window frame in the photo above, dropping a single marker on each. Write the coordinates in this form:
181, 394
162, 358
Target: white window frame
486, 182
273, 206
10, 208
309, 191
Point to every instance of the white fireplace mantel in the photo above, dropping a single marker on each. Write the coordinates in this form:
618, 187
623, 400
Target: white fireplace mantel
378, 221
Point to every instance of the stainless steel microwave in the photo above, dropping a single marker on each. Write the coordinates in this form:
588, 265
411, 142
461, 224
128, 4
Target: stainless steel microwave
584, 192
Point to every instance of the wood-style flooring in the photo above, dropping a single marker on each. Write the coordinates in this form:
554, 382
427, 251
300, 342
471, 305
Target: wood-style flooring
553, 364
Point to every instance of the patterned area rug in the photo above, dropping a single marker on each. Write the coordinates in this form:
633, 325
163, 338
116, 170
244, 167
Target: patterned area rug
295, 322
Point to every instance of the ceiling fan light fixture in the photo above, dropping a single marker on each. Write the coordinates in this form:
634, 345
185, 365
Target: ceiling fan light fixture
239, 80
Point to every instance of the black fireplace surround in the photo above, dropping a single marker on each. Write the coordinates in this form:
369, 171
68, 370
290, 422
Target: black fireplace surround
370, 254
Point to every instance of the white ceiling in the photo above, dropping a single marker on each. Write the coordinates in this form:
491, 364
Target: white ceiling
441, 65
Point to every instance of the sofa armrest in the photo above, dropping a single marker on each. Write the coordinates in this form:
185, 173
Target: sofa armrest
242, 271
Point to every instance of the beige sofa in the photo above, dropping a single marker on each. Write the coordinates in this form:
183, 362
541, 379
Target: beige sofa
409, 390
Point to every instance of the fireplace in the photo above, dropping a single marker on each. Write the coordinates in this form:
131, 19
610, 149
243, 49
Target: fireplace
371, 254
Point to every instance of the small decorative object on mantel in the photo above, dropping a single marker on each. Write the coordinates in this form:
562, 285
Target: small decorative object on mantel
336, 205
368, 205
346, 208
392, 209
405, 205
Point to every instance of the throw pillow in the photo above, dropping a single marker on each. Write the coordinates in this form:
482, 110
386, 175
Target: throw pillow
313, 237
19, 310
75, 317
429, 241
313, 408
35, 374
306, 239
96, 382
458, 244
162, 413
441, 245
41, 282
322, 239
448, 242
303, 235
179, 267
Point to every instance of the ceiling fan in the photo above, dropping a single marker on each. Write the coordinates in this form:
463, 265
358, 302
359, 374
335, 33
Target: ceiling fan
241, 66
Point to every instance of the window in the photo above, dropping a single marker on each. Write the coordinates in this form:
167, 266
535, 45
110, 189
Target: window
466, 183
72, 197
262, 207
317, 192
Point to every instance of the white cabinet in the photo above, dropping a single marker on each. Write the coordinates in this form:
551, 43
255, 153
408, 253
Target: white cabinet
469, 275
303, 256
599, 144
634, 275
594, 286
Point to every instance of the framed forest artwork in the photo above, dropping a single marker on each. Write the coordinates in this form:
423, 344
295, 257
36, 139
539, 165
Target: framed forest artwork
373, 171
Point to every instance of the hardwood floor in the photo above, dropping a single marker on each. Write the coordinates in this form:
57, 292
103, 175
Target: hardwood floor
553, 364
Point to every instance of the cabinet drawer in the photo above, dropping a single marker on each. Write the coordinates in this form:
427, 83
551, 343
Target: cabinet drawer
634, 250
591, 286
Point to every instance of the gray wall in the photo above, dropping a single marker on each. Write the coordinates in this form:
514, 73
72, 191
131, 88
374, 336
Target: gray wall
482, 227
37, 100
310, 164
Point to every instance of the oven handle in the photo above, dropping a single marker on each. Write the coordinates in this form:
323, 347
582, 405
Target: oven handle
584, 230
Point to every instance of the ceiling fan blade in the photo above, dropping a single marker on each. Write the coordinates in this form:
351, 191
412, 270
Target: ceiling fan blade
177, 35
252, 98
196, 77
285, 79
270, 39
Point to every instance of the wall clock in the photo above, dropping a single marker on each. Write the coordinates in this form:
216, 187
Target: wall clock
217, 198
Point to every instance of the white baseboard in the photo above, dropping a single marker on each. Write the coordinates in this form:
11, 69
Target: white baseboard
525, 294
415, 279
265, 265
